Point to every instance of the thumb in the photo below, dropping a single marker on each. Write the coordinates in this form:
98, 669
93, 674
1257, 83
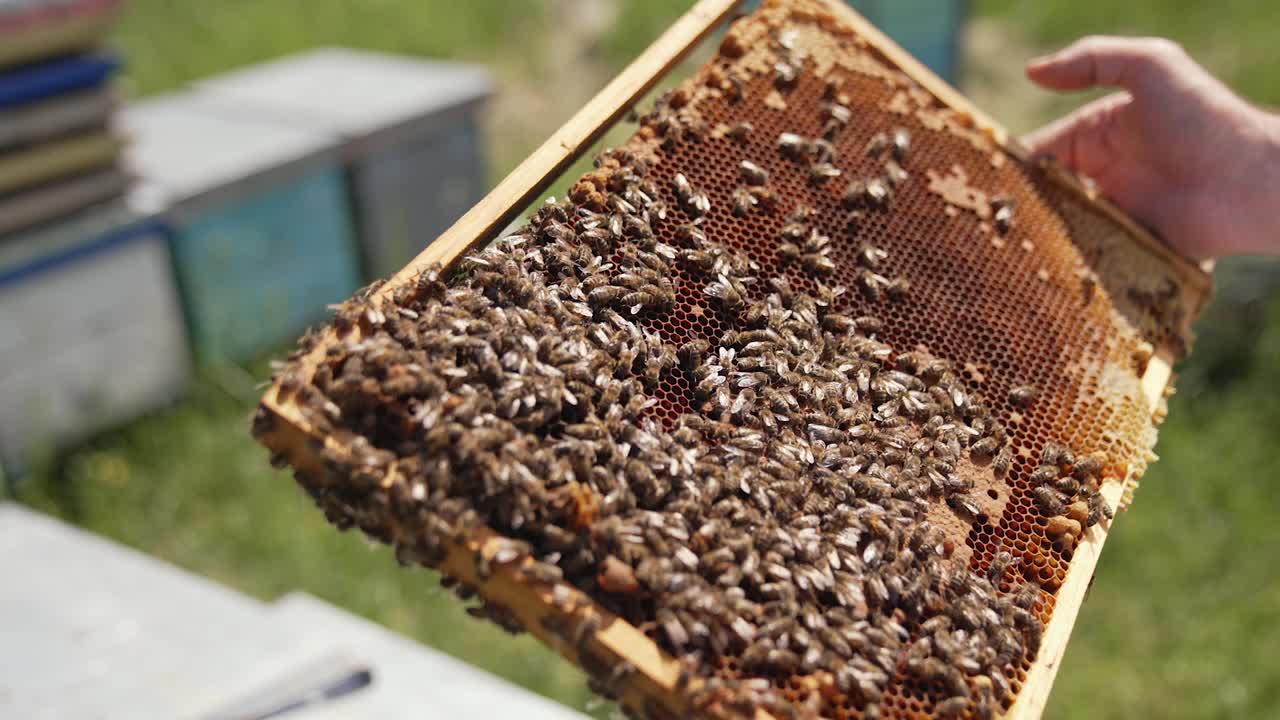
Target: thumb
1131, 63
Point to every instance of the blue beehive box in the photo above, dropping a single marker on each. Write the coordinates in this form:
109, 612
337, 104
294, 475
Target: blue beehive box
260, 225
51, 78
92, 328
411, 136
928, 29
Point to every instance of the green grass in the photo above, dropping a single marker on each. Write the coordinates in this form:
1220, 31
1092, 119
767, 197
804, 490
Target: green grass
1184, 617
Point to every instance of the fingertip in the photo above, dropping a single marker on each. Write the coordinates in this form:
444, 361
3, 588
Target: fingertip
1038, 143
1036, 73
1037, 65
1052, 140
1052, 71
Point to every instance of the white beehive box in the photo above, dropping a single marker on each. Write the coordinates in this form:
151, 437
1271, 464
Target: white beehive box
98, 630
93, 331
412, 138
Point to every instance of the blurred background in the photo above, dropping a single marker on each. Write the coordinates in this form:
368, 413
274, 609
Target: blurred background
239, 193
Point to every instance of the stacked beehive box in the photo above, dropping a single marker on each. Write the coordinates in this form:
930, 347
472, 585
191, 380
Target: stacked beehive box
92, 334
57, 153
267, 185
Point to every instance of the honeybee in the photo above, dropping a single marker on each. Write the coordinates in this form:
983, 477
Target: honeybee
1023, 395
765, 197
782, 661
727, 292
752, 173
877, 144
964, 507
818, 263
872, 284
1000, 564
289, 383
895, 173
692, 352
736, 86
1087, 467
984, 448
952, 707
792, 145
691, 234
541, 572
1044, 474
262, 423
838, 117
821, 150
1026, 596
868, 324
878, 193
901, 140
699, 204
740, 131
616, 576
743, 201
1003, 219
699, 260
784, 74
1048, 500
855, 194
820, 173
871, 256
1098, 509
817, 242
788, 252
898, 289
607, 294
1055, 454
684, 190
1068, 486
642, 299
504, 552
837, 324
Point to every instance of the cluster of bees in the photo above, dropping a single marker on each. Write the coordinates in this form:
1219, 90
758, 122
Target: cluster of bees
783, 525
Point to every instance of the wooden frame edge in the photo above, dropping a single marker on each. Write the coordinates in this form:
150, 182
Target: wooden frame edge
1034, 695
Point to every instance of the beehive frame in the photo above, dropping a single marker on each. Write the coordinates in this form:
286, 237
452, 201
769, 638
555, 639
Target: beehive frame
654, 684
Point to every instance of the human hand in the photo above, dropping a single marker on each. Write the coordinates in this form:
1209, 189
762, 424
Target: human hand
1176, 149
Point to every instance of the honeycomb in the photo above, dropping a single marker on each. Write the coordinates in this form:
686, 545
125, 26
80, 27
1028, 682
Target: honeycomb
1015, 277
